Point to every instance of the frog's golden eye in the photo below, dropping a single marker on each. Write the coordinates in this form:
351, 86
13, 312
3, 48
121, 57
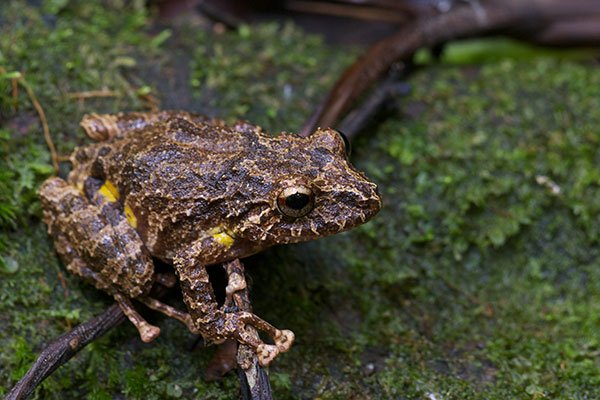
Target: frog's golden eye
347, 145
295, 201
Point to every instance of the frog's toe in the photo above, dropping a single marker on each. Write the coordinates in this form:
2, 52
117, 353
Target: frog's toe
284, 339
148, 332
189, 322
235, 284
266, 353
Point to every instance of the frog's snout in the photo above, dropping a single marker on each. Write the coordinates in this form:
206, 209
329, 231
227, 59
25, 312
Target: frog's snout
373, 204
369, 205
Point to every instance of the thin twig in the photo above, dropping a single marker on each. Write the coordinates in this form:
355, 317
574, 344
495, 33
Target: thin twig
66, 346
91, 94
63, 284
15, 89
149, 101
42, 115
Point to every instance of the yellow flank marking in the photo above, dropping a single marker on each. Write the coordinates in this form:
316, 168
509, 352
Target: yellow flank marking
218, 233
224, 239
109, 191
130, 216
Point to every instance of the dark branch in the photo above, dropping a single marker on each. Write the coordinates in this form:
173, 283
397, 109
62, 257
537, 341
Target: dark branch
63, 349
376, 104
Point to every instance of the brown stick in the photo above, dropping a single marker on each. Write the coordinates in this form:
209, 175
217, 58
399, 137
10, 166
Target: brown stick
466, 20
66, 346
374, 105
377, 60
583, 31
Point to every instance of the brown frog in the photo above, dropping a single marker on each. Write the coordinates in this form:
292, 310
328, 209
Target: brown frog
193, 191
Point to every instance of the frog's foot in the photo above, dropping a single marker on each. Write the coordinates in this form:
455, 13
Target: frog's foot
236, 283
147, 332
171, 312
267, 352
235, 287
235, 326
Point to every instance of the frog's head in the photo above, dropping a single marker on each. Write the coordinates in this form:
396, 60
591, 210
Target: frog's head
310, 190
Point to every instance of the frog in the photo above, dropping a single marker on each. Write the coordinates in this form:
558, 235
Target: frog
194, 192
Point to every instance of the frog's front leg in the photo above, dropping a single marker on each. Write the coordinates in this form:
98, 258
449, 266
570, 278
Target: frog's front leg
216, 324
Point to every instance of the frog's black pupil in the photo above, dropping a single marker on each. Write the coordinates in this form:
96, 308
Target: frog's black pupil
297, 201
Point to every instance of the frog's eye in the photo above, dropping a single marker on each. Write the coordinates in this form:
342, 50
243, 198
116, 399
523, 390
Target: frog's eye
347, 145
295, 201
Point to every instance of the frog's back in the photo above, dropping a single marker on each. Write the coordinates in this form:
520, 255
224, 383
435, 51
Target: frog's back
174, 152
167, 171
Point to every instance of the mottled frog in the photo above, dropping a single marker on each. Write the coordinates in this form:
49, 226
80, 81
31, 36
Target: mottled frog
194, 191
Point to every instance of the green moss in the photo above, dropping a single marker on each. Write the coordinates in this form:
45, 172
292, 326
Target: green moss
498, 163
479, 279
272, 74
68, 46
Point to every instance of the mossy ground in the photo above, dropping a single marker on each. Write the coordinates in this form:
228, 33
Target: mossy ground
479, 279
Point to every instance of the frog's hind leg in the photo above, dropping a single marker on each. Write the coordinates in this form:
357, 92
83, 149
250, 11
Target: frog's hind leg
147, 331
97, 243
102, 127
170, 312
